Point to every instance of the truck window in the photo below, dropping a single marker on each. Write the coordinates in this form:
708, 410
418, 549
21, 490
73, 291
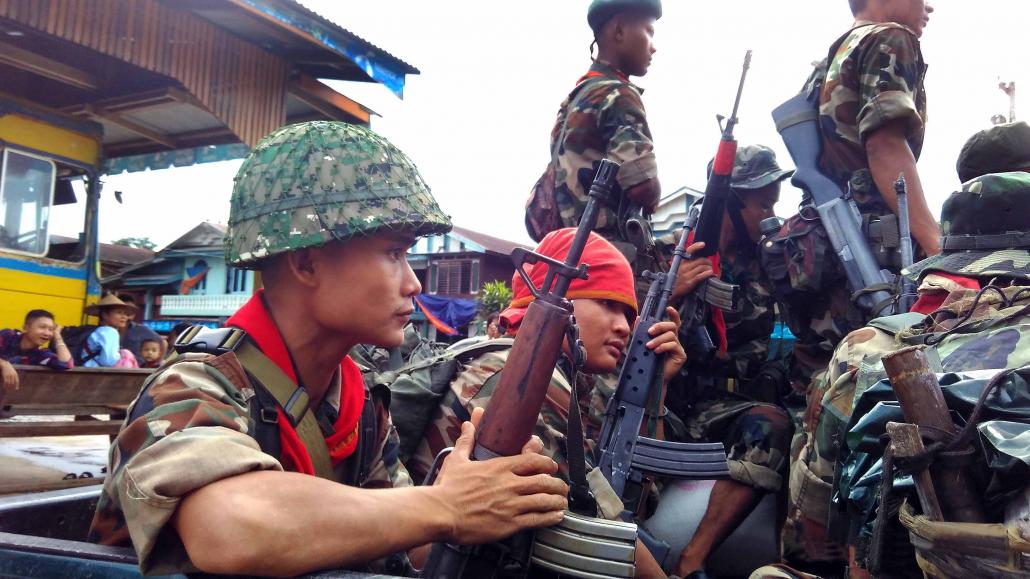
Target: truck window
68, 215
26, 193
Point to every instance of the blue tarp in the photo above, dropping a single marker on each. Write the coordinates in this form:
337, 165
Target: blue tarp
455, 312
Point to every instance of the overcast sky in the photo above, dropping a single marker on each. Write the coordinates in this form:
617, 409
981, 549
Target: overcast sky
476, 120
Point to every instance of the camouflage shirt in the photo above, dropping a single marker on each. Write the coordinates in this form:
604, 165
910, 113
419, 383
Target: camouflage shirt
607, 121
194, 428
474, 386
875, 77
748, 330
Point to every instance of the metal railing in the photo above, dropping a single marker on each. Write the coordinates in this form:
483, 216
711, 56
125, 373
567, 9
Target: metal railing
215, 305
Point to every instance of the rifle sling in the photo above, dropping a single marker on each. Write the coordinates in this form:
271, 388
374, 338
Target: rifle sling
582, 501
293, 400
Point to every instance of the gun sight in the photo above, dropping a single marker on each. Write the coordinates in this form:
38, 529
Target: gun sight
727, 129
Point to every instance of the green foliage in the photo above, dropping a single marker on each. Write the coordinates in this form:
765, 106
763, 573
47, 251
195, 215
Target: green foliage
494, 297
137, 242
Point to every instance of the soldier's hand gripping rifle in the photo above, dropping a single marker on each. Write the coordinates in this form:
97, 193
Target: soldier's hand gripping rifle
515, 405
797, 121
625, 455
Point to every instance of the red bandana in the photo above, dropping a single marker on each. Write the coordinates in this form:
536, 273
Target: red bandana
611, 277
930, 301
255, 319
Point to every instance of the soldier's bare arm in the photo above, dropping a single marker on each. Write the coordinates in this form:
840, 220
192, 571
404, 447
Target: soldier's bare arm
299, 523
889, 155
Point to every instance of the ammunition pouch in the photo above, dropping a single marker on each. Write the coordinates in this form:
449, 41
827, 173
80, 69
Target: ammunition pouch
800, 256
770, 385
585, 547
884, 235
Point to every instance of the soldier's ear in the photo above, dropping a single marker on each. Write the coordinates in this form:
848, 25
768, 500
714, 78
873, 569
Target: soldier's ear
302, 265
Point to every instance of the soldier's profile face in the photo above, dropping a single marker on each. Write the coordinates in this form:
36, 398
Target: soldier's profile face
604, 329
758, 206
637, 44
912, 13
363, 288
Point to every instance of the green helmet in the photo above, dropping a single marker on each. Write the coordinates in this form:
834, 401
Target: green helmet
998, 149
601, 11
986, 229
310, 183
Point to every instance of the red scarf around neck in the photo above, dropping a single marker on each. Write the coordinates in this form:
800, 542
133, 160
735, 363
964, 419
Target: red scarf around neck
255, 319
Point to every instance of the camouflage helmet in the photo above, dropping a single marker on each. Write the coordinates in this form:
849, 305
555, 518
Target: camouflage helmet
310, 183
601, 11
986, 229
754, 167
998, 149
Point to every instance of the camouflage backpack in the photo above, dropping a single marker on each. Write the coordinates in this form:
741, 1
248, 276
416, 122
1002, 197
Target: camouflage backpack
971, 331
418, 385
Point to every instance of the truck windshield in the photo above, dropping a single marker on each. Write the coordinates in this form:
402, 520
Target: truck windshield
26, 193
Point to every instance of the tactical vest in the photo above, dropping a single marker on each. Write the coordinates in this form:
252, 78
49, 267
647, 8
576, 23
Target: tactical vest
273, 391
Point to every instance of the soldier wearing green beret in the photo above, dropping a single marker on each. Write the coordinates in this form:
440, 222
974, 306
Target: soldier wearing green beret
999, 149
734, 396
232, 457
603, 117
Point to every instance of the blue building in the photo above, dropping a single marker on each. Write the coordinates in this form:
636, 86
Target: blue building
188, 280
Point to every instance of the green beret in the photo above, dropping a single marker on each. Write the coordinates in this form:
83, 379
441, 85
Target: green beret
601, 11
986, 229
999, 149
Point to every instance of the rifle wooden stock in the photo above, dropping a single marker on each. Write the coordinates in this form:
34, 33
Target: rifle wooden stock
923, 404
516, 402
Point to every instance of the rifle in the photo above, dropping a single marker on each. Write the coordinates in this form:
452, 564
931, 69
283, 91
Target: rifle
907, 291
797, 121
718, 189
713, 292
624, 455
522, 386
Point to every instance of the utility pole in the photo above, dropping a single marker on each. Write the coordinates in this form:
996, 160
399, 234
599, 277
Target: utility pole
1009, 88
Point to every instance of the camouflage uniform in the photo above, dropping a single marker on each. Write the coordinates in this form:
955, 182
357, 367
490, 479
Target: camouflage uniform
200, 430
196, 421
607, 122
473, 387
994, 334
875, 77
756, 435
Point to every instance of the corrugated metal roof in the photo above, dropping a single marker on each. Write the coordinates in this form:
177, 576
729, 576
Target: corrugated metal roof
488, 242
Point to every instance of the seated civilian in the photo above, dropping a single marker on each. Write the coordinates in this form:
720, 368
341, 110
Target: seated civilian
28, 347
151, 353
135, 334
103, 347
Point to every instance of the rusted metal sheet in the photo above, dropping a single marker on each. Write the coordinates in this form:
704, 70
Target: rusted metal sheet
240, 83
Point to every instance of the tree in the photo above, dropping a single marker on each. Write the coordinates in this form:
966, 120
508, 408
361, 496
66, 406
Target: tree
494, 297
136, 242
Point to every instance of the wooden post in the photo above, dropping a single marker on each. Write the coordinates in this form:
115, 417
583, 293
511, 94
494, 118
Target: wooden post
923, 404
906, 443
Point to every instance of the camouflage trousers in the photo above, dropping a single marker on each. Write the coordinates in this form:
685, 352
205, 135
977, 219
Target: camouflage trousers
756, 437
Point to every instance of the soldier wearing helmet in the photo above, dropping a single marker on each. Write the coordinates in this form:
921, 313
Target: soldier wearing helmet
209, 472
603, 117
734, 396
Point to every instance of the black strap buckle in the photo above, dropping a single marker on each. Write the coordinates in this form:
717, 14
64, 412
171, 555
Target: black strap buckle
269, 416
203, 340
